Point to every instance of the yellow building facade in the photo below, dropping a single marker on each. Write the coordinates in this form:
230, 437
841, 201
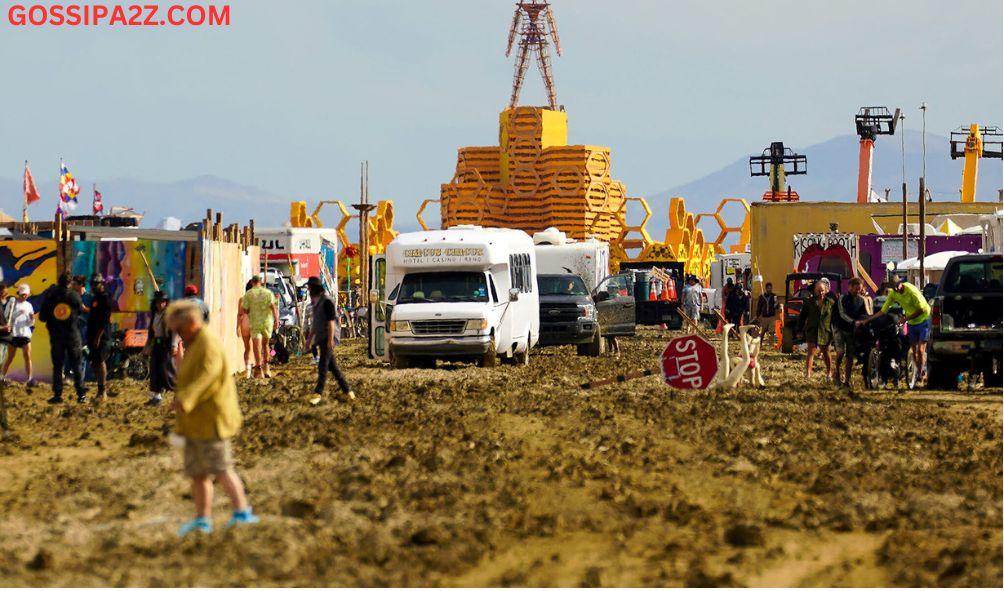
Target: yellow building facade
773, 226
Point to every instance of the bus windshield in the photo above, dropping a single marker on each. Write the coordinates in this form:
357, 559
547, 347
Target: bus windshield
448, 286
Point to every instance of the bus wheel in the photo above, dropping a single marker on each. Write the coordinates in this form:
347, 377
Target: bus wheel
490, 357
524, 357
398, 361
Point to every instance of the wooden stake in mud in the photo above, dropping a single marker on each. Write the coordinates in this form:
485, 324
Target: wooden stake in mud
631, 375
4, 425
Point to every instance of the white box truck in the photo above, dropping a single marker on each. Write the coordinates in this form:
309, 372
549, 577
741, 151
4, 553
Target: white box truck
463, 293
557, 254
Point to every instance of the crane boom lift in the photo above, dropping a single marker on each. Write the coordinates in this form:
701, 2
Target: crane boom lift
978, 142
871, 122
777, 162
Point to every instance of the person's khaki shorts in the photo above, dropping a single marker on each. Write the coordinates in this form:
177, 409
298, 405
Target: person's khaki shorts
766, 326
208, 456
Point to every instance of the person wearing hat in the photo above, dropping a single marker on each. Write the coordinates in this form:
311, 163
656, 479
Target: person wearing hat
192, 293
323, 334
99, 341
22, 323
61, 306
162, 346
917, 314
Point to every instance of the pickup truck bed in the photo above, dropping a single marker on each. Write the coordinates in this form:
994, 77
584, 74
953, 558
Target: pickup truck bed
966, 321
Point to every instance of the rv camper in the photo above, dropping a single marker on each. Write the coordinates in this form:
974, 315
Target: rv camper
557, 255
463, 293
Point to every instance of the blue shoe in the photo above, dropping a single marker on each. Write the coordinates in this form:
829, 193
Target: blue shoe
201, 524
246, 516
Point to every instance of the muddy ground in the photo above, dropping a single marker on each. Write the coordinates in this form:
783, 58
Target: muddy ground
515, 476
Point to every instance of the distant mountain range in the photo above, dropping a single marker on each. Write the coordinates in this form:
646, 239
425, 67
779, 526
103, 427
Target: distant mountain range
832, 176
186, 199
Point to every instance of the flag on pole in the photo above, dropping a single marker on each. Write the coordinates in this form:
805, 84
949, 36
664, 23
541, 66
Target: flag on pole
68, 189
30, 190
98, 205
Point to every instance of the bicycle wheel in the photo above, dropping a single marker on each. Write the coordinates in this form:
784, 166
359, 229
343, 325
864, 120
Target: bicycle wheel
293, 337
872, 372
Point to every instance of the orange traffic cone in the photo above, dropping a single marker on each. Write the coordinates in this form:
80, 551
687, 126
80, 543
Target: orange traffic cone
671, 291
778, 333
652, 294
664, 294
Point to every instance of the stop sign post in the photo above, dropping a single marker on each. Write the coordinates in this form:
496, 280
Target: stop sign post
689, 363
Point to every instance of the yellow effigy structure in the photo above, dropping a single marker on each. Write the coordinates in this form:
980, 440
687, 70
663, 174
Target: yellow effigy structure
683, 242
534, 180
380, 227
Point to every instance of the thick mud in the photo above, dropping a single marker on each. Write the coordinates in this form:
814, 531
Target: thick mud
514, 476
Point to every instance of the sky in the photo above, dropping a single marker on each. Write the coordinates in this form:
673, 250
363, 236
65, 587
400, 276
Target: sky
293, 95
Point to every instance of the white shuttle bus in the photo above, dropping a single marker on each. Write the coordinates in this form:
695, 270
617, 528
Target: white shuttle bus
463, 293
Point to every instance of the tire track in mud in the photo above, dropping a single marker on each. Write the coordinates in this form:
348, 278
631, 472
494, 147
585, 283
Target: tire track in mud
515, 476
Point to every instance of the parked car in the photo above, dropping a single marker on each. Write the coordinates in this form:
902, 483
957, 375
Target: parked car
966, 322
570, 315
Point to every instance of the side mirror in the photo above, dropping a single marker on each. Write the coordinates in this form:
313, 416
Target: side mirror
513, 294
601, 296
374, 296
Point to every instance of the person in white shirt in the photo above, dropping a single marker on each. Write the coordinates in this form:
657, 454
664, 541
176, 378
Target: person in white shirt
22, 323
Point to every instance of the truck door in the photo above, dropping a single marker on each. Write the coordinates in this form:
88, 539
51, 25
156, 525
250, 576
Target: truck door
377, 310
615, 307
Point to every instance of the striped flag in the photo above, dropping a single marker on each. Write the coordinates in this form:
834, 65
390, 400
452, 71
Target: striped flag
68, 189
98, 205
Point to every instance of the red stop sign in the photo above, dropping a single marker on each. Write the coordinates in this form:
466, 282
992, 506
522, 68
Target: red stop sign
689, 363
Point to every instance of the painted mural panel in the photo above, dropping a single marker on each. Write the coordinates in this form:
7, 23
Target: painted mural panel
127, 278
32, 262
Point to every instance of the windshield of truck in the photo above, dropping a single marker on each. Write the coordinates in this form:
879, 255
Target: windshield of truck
281, 294
447, 286
559, 285
974, 277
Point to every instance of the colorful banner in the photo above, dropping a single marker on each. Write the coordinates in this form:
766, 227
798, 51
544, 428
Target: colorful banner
31, 262
127, 278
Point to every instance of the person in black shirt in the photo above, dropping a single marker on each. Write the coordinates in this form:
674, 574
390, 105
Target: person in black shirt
766, 312
323, 334
737, 305
851, 311
162, 346
59, 312
99, 341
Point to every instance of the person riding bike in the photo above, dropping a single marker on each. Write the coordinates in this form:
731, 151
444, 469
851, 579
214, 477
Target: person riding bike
917, 314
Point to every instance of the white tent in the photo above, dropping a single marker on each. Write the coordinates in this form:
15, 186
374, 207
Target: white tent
169, 223
932, 262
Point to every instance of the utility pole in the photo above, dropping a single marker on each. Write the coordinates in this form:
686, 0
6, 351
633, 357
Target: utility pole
902, 140
364, 208
922, 244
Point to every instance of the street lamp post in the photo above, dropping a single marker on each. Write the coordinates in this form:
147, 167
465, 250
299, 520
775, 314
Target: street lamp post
922, 245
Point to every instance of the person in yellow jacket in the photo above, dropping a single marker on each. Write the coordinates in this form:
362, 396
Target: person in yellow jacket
205, 401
